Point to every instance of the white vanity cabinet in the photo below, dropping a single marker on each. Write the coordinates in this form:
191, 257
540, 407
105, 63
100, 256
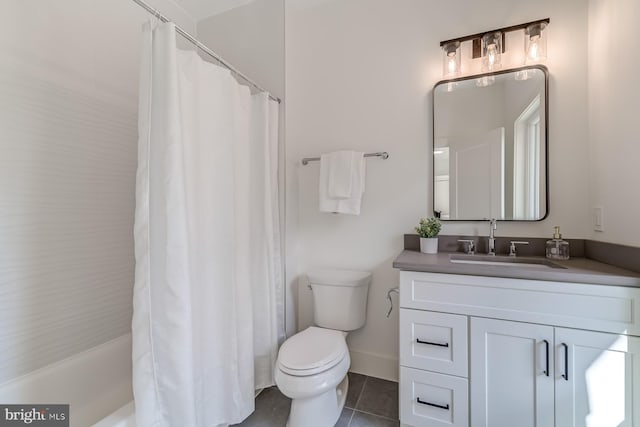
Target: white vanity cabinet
495, 352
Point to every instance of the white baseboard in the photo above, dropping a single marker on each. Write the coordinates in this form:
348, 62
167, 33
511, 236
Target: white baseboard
374, 365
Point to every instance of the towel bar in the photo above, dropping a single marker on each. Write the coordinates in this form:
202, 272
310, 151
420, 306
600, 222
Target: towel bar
382, 154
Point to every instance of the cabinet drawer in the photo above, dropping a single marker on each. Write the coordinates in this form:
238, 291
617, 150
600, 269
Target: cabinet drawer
431, 400
434, 341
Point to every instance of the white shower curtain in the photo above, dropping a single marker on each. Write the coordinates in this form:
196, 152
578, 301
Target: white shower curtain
208, 297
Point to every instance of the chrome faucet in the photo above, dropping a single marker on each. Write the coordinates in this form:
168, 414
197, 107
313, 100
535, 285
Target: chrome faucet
493, 226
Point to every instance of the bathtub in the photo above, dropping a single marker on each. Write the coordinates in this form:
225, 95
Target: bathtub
123, 417
95, 383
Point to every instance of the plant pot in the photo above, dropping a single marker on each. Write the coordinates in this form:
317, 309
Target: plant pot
429, 245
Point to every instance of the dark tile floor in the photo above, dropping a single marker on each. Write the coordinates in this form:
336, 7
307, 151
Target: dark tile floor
371, 402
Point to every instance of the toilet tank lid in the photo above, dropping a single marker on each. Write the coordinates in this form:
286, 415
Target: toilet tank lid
335, 277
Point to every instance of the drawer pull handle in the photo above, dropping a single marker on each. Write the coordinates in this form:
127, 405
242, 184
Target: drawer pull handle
419, 341
546, 343
435, 405
566, 362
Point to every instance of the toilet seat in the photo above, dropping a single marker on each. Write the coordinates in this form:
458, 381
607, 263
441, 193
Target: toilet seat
312, 351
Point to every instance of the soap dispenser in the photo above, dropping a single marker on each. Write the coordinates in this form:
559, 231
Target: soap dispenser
556, 247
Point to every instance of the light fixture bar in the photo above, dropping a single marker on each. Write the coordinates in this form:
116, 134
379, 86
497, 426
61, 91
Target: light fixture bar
502, 30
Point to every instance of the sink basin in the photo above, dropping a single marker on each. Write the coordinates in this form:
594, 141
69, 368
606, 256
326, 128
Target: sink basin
504, 261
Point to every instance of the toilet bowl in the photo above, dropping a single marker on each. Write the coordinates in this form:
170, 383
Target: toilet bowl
312, 365
311, 370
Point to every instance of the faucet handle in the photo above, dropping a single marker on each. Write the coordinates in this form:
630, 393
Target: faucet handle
512, 248
471, 248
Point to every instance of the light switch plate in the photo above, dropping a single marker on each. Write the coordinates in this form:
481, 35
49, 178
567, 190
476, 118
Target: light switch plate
598, 219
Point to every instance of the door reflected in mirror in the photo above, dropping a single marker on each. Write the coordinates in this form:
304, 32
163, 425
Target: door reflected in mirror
490, 146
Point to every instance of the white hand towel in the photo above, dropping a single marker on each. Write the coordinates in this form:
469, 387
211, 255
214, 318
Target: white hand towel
349, 205
340, 164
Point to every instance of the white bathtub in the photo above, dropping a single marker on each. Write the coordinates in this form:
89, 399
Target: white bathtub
94, 383
123, 417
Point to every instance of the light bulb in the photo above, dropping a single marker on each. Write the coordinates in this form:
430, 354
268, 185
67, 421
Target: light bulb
451, 63
491, 51
491, 54
451, 59
535, 43
533, 48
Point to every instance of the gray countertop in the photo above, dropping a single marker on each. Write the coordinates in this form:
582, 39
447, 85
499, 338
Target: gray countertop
577, 270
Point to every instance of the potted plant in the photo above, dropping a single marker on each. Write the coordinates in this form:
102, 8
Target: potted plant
428, 230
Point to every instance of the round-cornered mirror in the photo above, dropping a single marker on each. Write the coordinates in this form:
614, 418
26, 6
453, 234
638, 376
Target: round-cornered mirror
490, 139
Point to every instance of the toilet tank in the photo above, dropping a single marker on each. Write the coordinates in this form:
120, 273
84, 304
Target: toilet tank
339, 298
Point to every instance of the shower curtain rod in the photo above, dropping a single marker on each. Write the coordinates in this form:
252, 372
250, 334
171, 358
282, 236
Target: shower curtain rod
204, 48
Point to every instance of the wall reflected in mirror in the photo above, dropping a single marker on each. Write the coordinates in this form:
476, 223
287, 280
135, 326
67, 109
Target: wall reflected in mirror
490, 146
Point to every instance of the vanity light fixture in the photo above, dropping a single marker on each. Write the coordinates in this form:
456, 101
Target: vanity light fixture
491, 51
535, 42
490, 46
451, 59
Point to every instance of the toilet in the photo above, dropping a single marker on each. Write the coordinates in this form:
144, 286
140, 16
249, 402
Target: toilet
312, 365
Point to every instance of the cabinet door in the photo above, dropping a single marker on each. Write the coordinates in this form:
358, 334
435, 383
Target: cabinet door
511, 377
597, 379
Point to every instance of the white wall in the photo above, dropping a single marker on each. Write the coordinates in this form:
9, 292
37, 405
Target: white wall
359, 76
68, 136
614, 110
